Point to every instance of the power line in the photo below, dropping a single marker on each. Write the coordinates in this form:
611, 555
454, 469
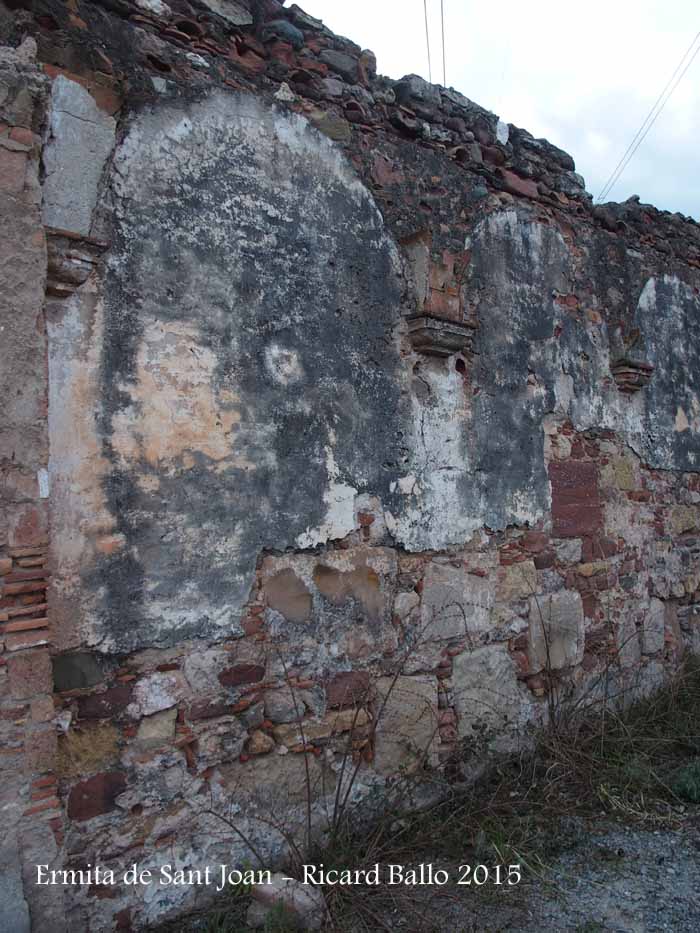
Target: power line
427, 40
649, 120
442, 27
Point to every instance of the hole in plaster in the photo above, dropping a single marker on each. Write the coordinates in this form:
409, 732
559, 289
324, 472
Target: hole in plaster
47, 22
188, 27
158, 64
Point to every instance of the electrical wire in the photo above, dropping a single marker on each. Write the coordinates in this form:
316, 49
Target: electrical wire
427, 40
650, 120
442, 27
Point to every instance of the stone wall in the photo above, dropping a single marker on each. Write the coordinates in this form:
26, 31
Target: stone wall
361, 430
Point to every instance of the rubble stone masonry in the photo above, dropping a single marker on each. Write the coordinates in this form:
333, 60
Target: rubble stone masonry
337, 423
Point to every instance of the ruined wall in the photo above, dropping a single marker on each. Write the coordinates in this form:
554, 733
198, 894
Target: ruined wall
355, 402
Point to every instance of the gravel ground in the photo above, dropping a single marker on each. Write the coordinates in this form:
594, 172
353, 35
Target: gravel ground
612, 877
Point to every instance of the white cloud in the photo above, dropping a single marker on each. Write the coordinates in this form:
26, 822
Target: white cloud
585, 77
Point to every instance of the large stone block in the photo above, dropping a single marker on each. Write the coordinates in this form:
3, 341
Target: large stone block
487, 696
81, 139
556, 630
455, 604
96, 795
516, 581
653, 627
406, 732
576, 508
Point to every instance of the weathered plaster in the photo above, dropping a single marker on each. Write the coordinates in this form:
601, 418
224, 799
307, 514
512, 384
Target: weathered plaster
251, 302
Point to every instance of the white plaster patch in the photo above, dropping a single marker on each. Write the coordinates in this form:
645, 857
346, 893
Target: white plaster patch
502, 132
42, 478
283, 364
157, 692
339, 499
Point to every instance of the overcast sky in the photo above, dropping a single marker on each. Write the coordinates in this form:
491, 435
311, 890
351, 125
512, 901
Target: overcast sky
582, 75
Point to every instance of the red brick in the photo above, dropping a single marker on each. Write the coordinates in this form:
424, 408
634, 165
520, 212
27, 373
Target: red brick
53, 803
95, 796
26, 625
17, 641
347, 689
31, 586
48, 780
18, 575
282, 52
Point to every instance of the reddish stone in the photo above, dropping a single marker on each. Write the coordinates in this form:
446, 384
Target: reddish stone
207, 709
105, 705
311, 64
521, 187
534, 541
384, 173
576, 509
596, 639
590, 605
316, 44
13, 167
252, 625
641, 495
20, 134
29, 526
494, 156
105, 98
347, 689
247, 61
282, 52
448, 734
122, 921
95, 796
522, 662
30, 673
545, 560
241, 674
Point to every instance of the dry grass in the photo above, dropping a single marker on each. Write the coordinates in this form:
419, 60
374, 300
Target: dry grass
638, 764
